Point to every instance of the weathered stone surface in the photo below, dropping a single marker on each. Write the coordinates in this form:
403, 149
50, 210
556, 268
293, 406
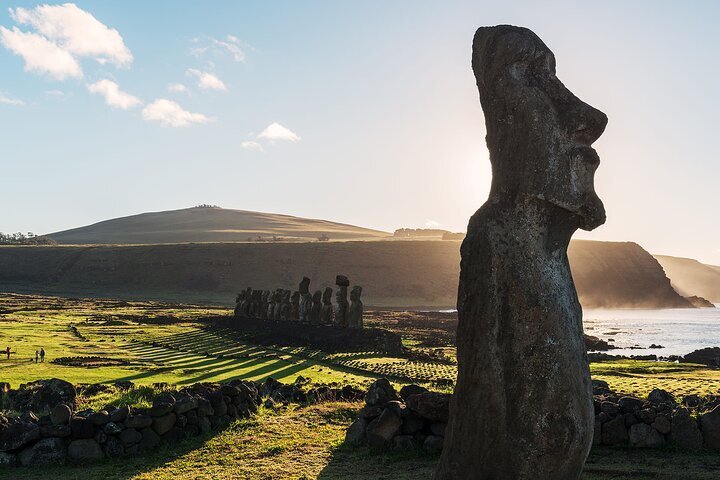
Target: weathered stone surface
160, 409
112, 428
685, 432
130, 436
60, 414
17, 435
658, 396
82, 428
630, 404
60, 431
662, 424
408, 390
380, 392
614, 431
356, 433
710, 424
643, 435
48, 451
326, 312
431, 405
99, 418
355, 311
49, 393
138, 421
433, 444
413, 424
119, 414
341, 306
381, 431
523, 376
405, 443
163, 424
149, 439
646, 415
204, 425
85, 450
597, 432
8, 459
114, 447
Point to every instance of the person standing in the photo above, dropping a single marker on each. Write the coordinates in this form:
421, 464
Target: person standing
7, 350
42, 355
37, 354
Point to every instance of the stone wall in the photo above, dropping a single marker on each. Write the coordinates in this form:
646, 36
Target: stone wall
415, 419
65, 435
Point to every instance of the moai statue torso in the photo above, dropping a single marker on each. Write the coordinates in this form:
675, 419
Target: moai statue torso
341, 303
305, 299
285, 306
245, 305
326, 312
238, 304
295, 306
314, 315
355, 313
522, 407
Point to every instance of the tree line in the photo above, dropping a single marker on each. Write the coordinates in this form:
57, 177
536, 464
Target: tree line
25, 239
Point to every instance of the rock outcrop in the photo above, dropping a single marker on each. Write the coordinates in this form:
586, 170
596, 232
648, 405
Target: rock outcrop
523, 379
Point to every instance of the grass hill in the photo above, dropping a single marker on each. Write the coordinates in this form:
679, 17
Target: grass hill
690, 277
208, 224
393, 273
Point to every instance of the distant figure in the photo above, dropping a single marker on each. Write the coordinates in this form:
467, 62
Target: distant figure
42, 355
37, 354
7, 350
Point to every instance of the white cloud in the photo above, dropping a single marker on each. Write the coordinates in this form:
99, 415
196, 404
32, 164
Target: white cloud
40, 54
55, 93
252, 145
76, 31
171, 114
229, 45
113, 95
207, 81
177, 88
275, 131
5, 100
432, 224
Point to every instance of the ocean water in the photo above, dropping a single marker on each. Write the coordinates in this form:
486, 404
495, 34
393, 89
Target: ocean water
678, 330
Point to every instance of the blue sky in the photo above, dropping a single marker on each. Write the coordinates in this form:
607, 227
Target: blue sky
372, 106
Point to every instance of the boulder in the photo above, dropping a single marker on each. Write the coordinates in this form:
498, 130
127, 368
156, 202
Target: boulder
610, 409
356, 433
8, 459
658, 396
163, 424
630, 404
431, 405
49, 393
614, 431
406, 443
138, 421
413, 424
48, 451
112, 428
662, 424
380, 392
149, 439
119, 414
114, 447
130, 436
17, 435
175, 434
204, 425
408, 390
59, 431
99, 418
82, 428
643, 435
433, 444
85, 450
60, 414
646, 415
685, 432
160, 409
710, 424
381, 431
185, 404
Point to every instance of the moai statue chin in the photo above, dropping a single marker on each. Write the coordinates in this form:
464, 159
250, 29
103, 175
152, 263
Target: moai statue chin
326, 313
341, 303
522, 407
355, 313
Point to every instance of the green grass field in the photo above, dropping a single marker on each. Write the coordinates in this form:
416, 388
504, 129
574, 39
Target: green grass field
147, 343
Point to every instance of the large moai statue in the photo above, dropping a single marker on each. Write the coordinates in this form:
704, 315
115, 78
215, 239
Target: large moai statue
238, 303
522, 407
285, 306
315, 308
305, 299
245, 304
295, 306
254, 307
341, 303
326, 312
272, 304
355, 313
265, 299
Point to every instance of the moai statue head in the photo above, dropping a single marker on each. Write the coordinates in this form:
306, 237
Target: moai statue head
295, 297
538, 133
327, 296
355, 293
342, 281
317, 297
304, 286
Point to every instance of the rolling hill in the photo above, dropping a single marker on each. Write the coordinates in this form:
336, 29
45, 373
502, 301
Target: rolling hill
208, 224
690, 277
393, 273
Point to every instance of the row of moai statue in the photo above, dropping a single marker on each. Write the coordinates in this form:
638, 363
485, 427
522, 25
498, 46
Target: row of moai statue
315, 309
